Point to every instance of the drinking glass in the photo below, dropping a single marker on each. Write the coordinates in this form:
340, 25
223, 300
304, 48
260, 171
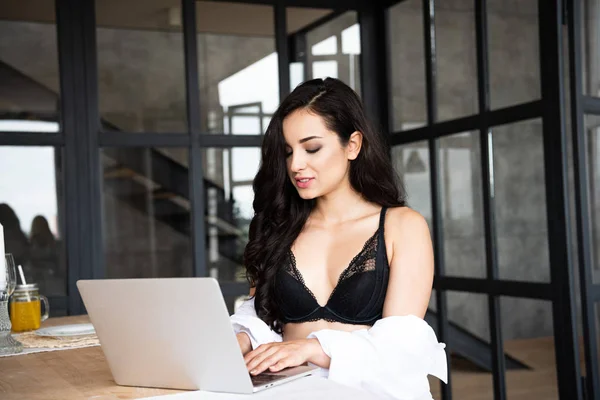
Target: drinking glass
8, 282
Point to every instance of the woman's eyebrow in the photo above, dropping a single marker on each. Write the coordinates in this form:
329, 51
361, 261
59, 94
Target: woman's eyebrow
306, 139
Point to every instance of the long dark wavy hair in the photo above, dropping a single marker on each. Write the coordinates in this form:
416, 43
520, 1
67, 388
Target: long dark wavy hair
280, 213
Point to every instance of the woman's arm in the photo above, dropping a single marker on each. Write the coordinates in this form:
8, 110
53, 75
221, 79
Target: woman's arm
411, 263
244, 342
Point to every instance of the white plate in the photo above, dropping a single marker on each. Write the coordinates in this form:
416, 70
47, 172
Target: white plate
67, 330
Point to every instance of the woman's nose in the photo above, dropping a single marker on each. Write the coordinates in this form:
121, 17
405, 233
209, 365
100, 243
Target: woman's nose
297, 163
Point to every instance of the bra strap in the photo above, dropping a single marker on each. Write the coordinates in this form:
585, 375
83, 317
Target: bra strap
382, 219
381, 251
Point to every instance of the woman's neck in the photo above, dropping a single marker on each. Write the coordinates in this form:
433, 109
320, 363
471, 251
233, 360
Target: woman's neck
341, 205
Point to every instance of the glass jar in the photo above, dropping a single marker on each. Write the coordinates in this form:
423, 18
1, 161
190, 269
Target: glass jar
26, 308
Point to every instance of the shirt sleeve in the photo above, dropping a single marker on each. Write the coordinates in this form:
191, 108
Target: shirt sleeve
245, 320
391, 359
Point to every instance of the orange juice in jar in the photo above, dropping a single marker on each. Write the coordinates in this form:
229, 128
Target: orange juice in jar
26, 308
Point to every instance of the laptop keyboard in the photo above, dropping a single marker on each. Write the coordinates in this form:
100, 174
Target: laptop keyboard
258, 380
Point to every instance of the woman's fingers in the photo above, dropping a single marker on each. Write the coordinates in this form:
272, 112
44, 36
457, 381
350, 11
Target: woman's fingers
268, 362
256, 352
281, 364
260, 358
275, 357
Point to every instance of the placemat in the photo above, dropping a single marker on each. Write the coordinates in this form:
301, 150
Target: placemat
33, 343
31, 340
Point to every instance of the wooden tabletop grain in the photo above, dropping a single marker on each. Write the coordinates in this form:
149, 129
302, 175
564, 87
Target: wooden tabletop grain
64, 374
84, 374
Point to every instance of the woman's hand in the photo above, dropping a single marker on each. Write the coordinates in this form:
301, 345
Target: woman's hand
244, 342
277, 356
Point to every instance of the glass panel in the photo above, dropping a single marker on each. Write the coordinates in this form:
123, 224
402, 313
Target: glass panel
31, 214
432, 301
325, 69
146, 213
407, 61
245, 125
590, 51
351, 40
245, 163
513, 40
334, 47
411, 163
296, 74
520, 192
141, 76
29, 78
528, 336
238, 66
469, 312
228, 181
456, 60
592, 123
325, 47
460, 177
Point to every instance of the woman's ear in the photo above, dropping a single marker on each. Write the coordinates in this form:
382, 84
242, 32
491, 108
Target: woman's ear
354, 145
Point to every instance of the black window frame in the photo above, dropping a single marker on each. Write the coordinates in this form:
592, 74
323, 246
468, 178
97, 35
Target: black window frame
81, 139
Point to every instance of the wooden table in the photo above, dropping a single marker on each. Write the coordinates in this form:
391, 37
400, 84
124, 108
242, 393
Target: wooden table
64, 374
84, 374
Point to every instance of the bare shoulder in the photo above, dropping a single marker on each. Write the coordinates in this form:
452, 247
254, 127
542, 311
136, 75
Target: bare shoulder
405, 220
405, 230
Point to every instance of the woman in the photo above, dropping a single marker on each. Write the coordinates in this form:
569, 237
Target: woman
341, 270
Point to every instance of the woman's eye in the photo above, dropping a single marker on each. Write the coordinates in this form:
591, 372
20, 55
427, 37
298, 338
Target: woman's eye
287, 154
312, 151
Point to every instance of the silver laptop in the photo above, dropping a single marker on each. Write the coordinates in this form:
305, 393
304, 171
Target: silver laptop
172, 333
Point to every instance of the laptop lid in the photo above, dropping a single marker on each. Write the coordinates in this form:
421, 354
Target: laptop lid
168, 333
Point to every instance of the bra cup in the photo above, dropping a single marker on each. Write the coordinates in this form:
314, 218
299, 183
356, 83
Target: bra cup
356, 300
352, 295
293, 300
358, 297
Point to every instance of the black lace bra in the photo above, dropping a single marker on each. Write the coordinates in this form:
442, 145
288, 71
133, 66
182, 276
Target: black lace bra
357, 298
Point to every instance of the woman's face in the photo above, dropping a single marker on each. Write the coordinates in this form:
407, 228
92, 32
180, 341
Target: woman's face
317, 162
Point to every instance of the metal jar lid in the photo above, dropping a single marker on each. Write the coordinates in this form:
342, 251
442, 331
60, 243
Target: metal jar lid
26, 288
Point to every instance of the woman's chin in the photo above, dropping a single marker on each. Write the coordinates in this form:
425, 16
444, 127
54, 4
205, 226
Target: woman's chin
307, 194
